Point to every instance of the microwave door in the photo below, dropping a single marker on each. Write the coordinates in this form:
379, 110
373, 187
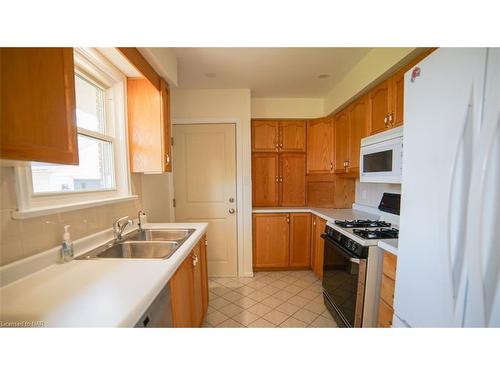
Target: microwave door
381, 162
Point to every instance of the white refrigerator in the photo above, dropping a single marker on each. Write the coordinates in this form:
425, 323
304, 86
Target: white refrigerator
448, 271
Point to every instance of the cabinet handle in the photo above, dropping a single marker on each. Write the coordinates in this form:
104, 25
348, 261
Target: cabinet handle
277, 179
288, 219
386, 120
167, 159
195, 260
331, 166
391, 119
281, 145
281, 179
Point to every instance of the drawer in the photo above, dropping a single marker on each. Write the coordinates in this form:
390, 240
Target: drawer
385, 313
387, 290
389, 268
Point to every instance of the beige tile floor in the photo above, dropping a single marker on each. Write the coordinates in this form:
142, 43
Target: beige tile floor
291, 299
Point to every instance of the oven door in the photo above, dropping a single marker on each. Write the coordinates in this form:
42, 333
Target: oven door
382, 162
343, 284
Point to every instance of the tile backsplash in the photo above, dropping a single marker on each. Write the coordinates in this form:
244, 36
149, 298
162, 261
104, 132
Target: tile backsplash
26, 237
370, 194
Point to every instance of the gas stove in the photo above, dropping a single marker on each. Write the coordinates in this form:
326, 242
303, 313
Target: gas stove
361, 223
377, 233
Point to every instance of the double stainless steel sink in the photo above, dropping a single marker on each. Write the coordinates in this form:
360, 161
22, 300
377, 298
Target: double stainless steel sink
142, 244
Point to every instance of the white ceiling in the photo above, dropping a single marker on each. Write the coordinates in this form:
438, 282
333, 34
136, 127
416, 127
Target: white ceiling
269, 72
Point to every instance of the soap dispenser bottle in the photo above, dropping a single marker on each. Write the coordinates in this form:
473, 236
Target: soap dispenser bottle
66, 246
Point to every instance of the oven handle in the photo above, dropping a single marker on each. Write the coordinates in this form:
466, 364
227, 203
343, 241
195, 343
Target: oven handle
352, 259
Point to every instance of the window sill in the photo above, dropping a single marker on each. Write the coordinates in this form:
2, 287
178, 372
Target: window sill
26, 214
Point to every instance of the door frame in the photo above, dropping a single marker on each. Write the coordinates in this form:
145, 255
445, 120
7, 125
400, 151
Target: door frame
243, 190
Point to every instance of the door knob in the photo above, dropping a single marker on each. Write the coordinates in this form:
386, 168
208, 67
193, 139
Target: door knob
232, 211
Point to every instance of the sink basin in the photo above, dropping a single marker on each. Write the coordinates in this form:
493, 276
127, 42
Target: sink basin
135, 250
161, 235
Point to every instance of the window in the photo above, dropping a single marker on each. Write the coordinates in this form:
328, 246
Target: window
102, 173
95, 147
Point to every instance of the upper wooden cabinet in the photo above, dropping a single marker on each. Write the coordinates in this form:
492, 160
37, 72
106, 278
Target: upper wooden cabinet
37, 105
379, 104
270, 240
149, 126
292, 136
320, 146
278, 136
350, 128
265, 136
342, 130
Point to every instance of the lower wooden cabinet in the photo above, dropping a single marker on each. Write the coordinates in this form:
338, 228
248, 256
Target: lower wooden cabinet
317, 246
386, 303
281, 240
271, 240
300, 240
189, 289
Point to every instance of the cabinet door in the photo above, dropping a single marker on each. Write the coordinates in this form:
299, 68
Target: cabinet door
397, 98
341, 141
145, 129
378, 103
167, 128
265, 179
293, 179
197, 286
320, 146
265, 136
319, 248
37, 105
292, 136
300, 239
181, 288
358, 120
270, 240
204, 273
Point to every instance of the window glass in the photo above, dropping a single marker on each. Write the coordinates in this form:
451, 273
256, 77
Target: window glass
89, 105
95, 171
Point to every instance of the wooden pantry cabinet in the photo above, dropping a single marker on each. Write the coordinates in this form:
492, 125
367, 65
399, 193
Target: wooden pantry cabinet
149, 126
189, 289
386, 302
320, 146
351, 125
281, 240
37, 105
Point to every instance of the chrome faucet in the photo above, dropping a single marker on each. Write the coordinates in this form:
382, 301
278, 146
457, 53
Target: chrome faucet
119, 226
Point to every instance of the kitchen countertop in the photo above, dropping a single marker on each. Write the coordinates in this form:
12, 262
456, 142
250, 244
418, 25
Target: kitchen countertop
93, 293
390, 245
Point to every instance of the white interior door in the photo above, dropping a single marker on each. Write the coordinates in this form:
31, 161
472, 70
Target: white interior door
205, 188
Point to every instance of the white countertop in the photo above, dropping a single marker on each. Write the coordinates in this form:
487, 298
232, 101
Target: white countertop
390, 245
94, 293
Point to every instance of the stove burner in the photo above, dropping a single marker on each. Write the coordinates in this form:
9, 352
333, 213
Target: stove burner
361, 223
377, 233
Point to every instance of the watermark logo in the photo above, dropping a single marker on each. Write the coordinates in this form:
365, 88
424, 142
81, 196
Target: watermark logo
22, 323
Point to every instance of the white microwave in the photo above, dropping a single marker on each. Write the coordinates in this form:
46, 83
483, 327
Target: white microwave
381, 158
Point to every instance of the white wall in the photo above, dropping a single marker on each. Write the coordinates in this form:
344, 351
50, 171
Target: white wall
287, 107
369, 194
221, 106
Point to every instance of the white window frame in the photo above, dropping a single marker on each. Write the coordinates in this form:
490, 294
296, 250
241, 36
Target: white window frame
88, 63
